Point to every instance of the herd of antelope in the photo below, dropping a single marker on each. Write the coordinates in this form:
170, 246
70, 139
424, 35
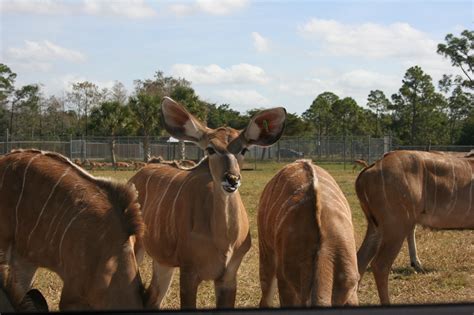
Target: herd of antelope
94, 232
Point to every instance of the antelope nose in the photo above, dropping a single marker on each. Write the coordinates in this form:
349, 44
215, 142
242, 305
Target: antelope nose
231, 182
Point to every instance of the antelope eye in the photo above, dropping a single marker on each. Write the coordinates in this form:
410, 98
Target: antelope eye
210, 151
245, 150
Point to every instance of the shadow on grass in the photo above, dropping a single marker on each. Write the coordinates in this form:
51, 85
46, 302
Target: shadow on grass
408, 271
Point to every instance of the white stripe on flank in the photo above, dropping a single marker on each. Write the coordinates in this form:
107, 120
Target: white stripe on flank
335, 191
454, 189
383, 182
435, 187
21, 194
146, 192
161, 200
54, 218
185, 181
3, 175
44, 206
470, 191
64, 234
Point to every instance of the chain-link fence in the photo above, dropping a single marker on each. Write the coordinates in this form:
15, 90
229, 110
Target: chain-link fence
320, 149
326, 149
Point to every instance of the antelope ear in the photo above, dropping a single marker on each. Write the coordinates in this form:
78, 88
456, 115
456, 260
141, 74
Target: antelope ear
265, 127
180, 123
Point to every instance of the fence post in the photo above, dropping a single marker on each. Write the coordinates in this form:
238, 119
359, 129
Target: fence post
368, 152
6, 141
344, 152
70, 146
278, 152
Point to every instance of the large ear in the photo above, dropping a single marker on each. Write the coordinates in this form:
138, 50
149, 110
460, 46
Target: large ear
265, 127
180, 123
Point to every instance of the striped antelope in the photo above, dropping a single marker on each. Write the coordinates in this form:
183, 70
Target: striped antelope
306, 239
405, 188
195, 218
53, 214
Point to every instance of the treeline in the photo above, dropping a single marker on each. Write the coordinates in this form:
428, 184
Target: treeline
417, 114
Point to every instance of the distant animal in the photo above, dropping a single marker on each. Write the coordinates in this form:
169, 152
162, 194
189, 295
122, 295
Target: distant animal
138, 165
195, 219
359, 163
306, 239
123, 165
78, 162
55, 215
406, 188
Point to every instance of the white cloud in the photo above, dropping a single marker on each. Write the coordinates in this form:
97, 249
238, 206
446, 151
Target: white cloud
368, 39
354, 83
214, 7
243, 99
213, 74
125, 8
134, 9
35, 6
221, 7
44, 51
260, 43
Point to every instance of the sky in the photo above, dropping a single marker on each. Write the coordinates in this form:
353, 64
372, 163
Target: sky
248, 54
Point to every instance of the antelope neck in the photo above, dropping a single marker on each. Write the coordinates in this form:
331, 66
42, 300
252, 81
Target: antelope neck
225, 217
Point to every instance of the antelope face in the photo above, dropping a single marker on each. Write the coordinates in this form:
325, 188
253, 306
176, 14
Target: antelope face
225, 160
224, 146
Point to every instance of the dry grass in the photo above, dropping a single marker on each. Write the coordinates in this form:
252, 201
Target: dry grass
447, 255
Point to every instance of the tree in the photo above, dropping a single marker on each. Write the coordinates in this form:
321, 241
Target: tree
319, 113
223, 115
379, 104
7, 84
460, 51
118, 93
417, 109
459, 104
146, 112
466, 136
25, 110
348, 115
83, 97
111, 117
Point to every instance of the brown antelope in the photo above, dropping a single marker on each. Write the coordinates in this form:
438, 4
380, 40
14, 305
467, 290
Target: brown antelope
359, 163
405, 188
195, 219
55, 215
306, 239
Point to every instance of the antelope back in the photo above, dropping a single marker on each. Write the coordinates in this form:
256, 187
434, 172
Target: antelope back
305, 226
62, 218
433, 189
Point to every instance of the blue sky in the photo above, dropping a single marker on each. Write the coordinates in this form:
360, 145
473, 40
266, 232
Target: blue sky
245, 53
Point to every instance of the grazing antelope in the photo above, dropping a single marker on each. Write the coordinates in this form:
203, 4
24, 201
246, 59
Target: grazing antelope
123, 165
195, 219
359, 163
306, 239
55, 215
405, 188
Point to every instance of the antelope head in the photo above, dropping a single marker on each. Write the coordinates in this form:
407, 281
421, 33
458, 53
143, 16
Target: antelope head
224, 146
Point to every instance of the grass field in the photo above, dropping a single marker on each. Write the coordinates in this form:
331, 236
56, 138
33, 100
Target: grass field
447, 255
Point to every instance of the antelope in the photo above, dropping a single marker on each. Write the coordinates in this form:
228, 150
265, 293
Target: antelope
306, 239
55, 215
195, 219
359, 163
406, 188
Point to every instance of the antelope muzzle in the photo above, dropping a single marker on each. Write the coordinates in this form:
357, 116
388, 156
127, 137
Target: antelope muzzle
231, 182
